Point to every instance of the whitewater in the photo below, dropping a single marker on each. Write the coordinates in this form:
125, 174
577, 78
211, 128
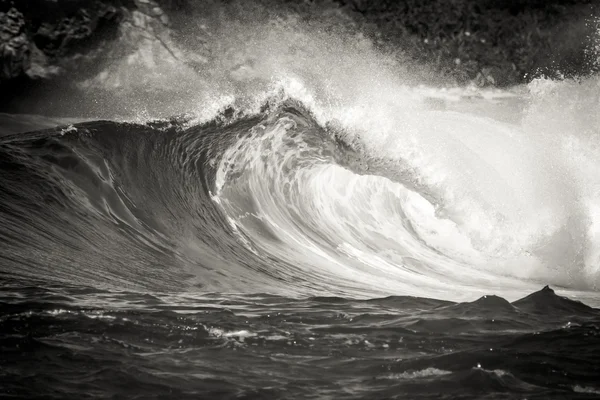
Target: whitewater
316, 213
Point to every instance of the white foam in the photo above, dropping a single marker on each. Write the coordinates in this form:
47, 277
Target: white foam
424, 373
499, 206
585, 389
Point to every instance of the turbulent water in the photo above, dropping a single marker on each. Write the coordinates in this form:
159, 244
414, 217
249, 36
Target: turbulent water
330, 235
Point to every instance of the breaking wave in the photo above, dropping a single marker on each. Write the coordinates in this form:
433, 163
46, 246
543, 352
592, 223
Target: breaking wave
290, 192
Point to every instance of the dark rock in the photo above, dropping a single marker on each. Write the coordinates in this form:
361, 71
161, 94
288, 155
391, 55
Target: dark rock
39, 39
54, 51
15, 54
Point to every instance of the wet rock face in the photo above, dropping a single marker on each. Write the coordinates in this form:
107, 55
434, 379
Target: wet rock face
15, 53
70, 34
39, 38
50, 38
52, 50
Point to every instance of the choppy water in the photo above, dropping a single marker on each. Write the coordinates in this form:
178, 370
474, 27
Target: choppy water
310, 235
76, 342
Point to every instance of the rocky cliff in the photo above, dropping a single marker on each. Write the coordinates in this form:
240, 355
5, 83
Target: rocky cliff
104, 53
76, 45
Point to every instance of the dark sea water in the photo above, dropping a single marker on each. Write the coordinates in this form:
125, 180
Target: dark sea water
272, 252
73, 342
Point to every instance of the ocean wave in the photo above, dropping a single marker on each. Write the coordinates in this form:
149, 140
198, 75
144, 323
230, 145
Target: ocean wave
282, 192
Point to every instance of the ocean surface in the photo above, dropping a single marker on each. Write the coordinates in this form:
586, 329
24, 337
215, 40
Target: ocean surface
307, 232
